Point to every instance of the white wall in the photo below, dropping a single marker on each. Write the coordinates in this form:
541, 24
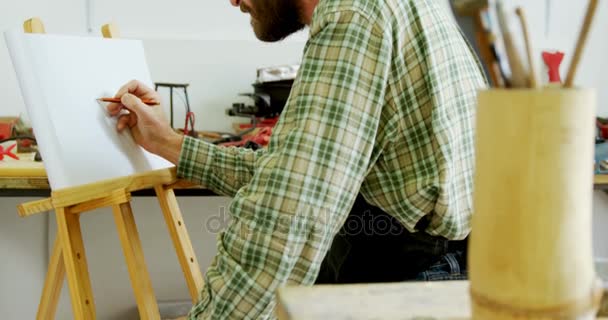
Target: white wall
217, 70
62, 16
23, 256
208, 44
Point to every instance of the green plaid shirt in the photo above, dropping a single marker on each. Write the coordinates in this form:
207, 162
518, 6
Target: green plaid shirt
384, 104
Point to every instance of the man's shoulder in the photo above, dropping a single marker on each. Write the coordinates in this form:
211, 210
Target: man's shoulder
383, 13
370, 9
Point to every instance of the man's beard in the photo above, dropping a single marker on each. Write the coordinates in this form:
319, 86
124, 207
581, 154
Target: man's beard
275, 19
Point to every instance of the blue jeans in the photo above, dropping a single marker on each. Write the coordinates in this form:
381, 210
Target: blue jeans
372, 246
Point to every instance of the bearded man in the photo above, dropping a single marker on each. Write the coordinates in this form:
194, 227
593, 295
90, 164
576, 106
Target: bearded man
368, 174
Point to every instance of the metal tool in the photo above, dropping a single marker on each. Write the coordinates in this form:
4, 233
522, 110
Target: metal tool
189, 120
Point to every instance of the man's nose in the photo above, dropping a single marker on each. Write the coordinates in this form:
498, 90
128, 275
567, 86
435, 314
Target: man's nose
235, 3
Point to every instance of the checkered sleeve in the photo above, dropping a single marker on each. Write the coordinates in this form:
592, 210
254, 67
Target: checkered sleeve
302, 189
224, 170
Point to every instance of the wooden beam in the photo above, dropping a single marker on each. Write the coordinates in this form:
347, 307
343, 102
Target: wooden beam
136, 264
70, 196
52, 284
181, 241
110, 30
74, 258
33, 25
407, 300
33, 207
117, 197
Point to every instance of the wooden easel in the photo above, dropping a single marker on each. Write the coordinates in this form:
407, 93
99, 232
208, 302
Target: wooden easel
68, 256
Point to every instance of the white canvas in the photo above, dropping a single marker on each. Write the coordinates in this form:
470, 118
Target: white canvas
61, 78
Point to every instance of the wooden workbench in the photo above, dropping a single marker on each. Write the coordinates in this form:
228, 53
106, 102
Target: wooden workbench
27, 178
447, 300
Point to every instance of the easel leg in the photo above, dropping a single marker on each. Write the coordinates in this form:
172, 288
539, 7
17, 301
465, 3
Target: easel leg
131, 246
70, 236
52, 284
181, 241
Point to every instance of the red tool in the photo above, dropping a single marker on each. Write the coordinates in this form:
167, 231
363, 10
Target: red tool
553, 60
261, 123
189, 119
262, 138
8, 152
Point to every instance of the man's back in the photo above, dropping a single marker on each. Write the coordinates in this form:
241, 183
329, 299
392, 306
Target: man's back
424, 145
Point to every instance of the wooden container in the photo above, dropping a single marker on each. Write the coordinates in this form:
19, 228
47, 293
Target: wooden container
530, 250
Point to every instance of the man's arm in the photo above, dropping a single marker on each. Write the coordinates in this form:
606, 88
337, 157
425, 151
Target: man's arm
224, 170
285, 218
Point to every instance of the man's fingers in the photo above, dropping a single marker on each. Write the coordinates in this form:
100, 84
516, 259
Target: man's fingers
123, 121
132, 120
114, 108
138, 89
131, 87
133, 103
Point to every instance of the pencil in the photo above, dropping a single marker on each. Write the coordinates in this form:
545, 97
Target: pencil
149, 102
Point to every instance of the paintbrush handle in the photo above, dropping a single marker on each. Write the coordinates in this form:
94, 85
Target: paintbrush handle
531, 65
582, 40
518, 73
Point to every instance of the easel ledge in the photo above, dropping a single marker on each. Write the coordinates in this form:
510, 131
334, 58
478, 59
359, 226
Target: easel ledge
99, 190
68, 258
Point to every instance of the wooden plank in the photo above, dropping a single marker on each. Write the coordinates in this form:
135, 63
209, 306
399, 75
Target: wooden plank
182, 184
43, 205
74, 258
33, 25
448, 300
600, 179
24, 183
30, 208
52, 284
408, 300
24, 173
25, 167
116, 197
70, 196
136, 264
31, 175
110, 30
181, 241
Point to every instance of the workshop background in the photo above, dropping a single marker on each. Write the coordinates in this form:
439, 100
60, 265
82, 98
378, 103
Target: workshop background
210, 45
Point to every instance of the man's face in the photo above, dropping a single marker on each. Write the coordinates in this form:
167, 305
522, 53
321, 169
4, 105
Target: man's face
272, 20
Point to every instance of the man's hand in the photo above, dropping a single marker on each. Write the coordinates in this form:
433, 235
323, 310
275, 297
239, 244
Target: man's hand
148, 124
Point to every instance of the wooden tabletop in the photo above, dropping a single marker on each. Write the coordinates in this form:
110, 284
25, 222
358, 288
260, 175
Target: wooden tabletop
25, 173
405, 300
28, 177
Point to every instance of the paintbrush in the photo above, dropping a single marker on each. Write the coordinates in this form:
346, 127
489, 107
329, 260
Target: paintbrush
532, 75
582, 40
518, 73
